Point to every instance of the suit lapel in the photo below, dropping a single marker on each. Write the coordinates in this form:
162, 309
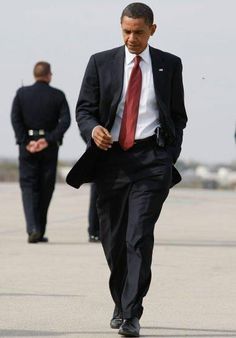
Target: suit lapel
159, 71
117, 71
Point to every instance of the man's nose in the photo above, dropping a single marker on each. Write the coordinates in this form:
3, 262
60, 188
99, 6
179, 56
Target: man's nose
132, 37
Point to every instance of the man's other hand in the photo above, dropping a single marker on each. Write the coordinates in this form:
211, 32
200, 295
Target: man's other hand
102, 137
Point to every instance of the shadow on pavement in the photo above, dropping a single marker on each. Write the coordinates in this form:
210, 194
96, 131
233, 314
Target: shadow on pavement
186, 332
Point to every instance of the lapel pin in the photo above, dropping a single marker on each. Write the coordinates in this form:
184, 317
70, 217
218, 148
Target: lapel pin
160, 69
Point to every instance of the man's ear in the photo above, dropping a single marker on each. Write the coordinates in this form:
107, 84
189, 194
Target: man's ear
153, 29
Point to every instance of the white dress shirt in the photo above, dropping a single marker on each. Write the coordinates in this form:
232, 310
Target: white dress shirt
148, 116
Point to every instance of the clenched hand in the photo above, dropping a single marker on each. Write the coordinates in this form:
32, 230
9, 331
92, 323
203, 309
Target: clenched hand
102, 138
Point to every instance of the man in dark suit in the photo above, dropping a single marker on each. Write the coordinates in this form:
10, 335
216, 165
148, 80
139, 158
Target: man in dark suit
40, 116
131, 112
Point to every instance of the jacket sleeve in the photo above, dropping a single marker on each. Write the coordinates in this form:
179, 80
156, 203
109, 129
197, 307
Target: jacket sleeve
56, 135
87, 107
18, 122
178, 112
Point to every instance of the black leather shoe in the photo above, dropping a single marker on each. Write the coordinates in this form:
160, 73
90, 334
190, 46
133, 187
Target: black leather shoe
130, 327
34, 237
117, 319
43, 239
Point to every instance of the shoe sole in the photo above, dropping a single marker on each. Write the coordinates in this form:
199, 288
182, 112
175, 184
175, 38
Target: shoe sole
129, 334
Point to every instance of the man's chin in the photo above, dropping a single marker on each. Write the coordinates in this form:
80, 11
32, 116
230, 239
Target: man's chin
133, 50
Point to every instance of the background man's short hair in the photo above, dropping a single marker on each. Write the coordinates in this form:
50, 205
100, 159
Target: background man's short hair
137, 10
42, 69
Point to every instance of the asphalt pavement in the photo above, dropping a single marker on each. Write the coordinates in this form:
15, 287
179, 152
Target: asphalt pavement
60, 289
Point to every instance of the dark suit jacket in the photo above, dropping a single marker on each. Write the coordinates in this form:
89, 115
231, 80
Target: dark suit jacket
101, 92
40, 106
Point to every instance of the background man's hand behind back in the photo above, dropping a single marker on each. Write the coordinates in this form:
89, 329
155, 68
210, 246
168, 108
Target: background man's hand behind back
36, 146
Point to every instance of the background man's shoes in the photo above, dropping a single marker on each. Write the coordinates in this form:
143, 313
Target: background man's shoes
94, 239
34, 237
43, 239
117, 319
130, 327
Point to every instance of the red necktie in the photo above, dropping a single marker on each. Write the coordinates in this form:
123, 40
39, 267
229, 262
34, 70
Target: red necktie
131, 108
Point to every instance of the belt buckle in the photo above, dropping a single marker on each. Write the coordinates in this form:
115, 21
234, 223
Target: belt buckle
32, 132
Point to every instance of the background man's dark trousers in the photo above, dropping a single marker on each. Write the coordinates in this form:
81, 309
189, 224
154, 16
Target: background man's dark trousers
37, 181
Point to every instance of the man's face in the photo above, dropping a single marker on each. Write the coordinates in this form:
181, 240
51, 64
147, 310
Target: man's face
136, 34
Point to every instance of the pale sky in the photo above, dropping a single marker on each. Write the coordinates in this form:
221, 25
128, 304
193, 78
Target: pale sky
66, 32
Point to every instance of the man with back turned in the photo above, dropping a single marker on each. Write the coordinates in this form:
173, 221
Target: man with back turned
131, 112
40, 116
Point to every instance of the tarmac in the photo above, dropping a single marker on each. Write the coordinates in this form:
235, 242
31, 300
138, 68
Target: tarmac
60, 289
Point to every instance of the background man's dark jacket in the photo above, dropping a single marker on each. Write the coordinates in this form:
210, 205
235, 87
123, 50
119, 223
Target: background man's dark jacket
40, 106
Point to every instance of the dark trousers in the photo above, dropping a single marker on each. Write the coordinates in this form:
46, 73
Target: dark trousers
37, 181
132, 187
93, 228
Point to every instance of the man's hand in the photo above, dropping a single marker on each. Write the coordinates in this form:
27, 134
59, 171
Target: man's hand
31, 146
41, 144
36, 146
102, 138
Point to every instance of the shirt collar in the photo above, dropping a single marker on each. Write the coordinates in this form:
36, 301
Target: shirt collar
145, 55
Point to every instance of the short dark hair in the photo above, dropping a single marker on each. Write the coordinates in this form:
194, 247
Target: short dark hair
42, 69
138, 10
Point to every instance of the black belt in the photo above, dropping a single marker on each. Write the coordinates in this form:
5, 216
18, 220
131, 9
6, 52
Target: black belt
143, 141
146, 139
34, 132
